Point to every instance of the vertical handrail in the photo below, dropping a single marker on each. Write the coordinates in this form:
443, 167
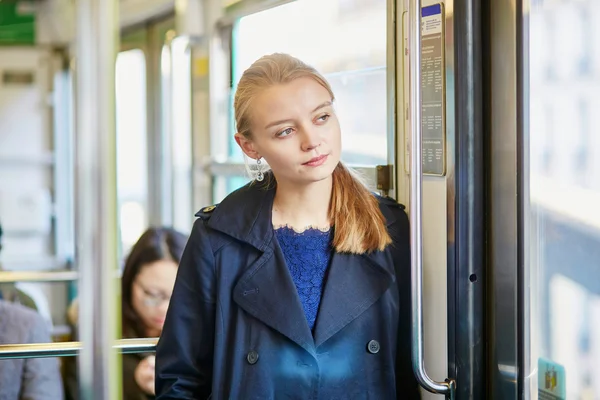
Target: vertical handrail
96, 212
416, 221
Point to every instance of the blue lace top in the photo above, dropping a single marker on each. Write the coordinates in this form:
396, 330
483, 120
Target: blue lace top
307, 255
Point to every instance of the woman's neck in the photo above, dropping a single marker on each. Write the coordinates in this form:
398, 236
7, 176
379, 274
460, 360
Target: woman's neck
305, 206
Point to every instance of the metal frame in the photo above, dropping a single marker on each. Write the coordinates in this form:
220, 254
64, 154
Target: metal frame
466, 197
64, 245
247, 7
96, 213
394, 135
238, 169
160, 179
502, 114
447, 388
71, 349
38, 276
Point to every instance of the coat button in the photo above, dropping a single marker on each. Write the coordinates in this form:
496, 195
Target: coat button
373, 347
252, 357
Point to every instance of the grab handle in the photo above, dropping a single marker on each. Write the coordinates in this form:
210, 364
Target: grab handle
448, 387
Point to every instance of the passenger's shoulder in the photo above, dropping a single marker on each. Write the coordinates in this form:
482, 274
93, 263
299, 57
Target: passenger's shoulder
17, 311
20, 317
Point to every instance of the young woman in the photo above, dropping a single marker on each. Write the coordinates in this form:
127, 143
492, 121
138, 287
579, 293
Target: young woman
146, 287
296, 286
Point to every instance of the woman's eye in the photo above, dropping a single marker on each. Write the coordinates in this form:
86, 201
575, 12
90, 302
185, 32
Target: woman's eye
151, 294
285, 132
323, 118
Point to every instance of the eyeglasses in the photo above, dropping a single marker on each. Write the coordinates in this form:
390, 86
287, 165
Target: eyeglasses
152, 299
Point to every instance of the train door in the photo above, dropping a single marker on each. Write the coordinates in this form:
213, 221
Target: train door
440, 176
518, 280
544, 232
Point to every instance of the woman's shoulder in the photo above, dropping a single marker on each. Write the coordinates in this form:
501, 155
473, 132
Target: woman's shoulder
237, 203
394, 212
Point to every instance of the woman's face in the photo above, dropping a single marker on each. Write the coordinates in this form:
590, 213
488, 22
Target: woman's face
151, 292
294, 127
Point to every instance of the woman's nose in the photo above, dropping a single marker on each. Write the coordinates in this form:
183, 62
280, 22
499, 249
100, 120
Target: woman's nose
163, 307
311, 139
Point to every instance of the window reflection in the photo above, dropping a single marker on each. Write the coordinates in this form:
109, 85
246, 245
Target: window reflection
564, 184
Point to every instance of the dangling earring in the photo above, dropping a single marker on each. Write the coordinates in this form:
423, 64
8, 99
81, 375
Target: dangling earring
259, 176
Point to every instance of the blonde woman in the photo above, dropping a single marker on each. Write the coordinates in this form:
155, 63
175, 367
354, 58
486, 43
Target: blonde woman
296, 286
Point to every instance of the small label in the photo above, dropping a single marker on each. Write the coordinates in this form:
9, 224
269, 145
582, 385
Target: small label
17, 77
551, 380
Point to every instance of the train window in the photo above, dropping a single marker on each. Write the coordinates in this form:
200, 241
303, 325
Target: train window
562, 292
132, 165
181, 134
347, 43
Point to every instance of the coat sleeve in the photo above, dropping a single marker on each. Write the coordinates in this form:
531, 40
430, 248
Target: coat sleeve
407, 387
184, 354
41, 376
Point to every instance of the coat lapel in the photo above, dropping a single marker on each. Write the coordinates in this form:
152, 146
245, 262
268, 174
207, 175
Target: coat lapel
354, 283
267, 291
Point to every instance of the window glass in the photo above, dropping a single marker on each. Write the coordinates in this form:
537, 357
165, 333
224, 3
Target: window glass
353, 61
563, 254
181, 135
347, 43
132, 164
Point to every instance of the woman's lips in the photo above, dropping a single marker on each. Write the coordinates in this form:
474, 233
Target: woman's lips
315, 162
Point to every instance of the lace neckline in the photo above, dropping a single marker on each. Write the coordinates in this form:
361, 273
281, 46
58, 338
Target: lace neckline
307, 229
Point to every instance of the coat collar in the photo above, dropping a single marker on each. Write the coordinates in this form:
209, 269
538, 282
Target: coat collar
246, 213
266, 289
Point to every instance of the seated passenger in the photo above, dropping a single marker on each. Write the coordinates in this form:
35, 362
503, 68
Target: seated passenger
147, 284
31, 378
9, 291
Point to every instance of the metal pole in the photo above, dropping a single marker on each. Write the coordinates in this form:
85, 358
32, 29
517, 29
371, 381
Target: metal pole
38, 276
416, 204
96, 212
70, 349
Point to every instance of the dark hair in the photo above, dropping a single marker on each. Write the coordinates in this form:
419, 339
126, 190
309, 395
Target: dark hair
154, 245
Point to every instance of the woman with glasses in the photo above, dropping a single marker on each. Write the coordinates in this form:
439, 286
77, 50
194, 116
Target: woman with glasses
147, 283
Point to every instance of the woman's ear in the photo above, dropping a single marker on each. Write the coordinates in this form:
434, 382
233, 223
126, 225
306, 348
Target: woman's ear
247, 146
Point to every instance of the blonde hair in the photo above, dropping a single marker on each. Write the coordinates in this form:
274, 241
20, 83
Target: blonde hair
360, 226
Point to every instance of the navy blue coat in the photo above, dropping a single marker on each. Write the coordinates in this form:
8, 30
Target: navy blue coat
235, 328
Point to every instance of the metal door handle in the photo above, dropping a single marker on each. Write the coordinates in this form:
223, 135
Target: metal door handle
448, 387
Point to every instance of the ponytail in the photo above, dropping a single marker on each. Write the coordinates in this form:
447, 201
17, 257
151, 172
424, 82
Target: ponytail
359, 224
